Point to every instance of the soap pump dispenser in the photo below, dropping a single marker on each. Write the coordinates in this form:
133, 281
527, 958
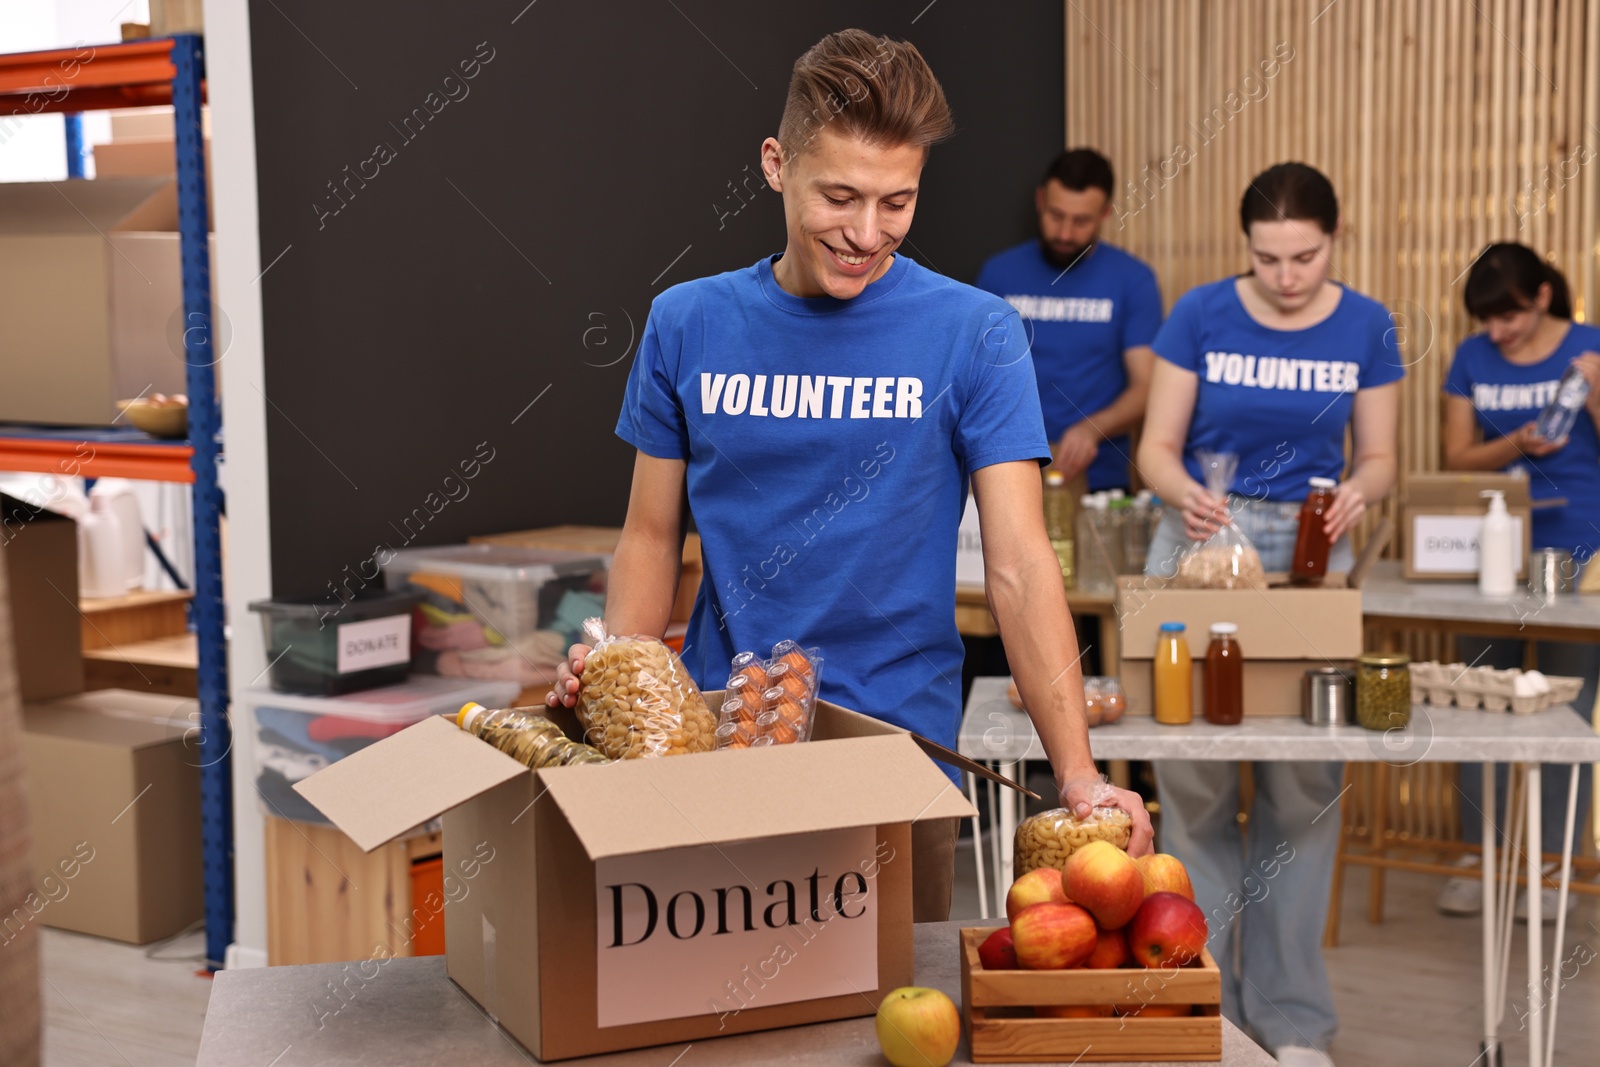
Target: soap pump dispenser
1497, 569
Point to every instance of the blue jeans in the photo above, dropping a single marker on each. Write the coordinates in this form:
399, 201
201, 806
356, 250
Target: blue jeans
1555, 657
1268, 901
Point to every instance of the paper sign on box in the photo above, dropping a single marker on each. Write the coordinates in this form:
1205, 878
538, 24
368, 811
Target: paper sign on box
1448, 544
758, 922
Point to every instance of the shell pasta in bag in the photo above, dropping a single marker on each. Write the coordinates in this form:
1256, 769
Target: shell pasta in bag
1226, 559
637, 700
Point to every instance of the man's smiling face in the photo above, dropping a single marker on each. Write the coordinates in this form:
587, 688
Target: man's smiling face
847, 205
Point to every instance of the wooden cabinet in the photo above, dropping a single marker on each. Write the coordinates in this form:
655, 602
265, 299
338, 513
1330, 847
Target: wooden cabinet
327, 901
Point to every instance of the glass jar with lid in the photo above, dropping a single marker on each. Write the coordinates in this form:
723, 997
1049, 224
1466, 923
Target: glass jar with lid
1383, 690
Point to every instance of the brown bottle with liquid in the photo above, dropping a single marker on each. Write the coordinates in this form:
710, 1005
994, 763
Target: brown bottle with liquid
1224, 682
1311, 544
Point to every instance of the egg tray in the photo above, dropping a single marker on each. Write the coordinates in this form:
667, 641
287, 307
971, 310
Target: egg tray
1444, 684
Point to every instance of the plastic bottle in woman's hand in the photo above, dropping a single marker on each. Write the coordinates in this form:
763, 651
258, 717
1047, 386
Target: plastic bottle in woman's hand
1555, 422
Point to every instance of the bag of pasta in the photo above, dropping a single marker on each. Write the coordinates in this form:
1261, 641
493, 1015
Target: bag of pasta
1048, 838
637, 699
1226, 559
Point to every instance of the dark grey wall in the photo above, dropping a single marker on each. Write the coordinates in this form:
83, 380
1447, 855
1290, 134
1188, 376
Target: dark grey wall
503, 252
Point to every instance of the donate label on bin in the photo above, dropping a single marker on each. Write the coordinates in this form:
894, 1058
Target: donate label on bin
374, 643
717, 929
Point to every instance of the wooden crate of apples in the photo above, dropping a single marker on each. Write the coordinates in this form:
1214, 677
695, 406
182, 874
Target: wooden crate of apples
1103, 960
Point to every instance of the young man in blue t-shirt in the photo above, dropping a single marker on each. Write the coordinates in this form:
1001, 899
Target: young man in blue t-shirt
1091, 311
823, 411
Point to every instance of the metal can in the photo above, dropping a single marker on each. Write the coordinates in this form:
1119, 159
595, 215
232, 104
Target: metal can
1383, 690
1327, 697
1550, 572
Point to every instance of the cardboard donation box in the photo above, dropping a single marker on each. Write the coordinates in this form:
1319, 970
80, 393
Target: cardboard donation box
651, 901
1283, 632
1443, 514
114, 794
41, 556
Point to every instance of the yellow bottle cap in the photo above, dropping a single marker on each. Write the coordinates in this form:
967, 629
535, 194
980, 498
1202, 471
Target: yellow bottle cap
469, 708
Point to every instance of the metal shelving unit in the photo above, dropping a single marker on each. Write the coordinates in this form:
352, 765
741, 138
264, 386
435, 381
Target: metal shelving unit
141, 74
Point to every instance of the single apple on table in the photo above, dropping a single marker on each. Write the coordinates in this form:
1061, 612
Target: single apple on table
1168, 931
918, 1027
1164, 874
1053, 936
997, 953
1074, 1011
1102, 878
1039, 886
1110, 950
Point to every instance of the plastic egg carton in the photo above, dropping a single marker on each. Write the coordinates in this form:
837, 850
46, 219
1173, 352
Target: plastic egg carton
1514, 690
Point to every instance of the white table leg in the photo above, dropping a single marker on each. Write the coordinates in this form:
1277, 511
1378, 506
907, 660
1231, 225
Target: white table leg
977, 846
1491, 932
1009, 801
1533, 776
1557, 960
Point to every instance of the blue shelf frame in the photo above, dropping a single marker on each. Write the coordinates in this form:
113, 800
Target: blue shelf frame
205, 432
131, 75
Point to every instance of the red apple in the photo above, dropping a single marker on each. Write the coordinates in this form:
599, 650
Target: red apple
1040, 886
1053, 936
1164, 874
918, 1027
1155, 1011
1102, 878
1074, 1011
997, 953
1111, 950
1168, 931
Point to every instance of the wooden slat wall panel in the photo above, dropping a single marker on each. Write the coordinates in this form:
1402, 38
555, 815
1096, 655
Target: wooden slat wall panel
1444, 124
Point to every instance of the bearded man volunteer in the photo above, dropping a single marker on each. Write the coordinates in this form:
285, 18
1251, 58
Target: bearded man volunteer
1091, 311
825, 410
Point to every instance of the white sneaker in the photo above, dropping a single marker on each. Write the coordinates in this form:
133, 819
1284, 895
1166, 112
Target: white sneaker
1463, 895
1301, 1056
1549, 899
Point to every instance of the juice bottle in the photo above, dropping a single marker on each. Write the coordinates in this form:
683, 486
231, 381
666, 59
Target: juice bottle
1311, 544
1224, 677
1174, 676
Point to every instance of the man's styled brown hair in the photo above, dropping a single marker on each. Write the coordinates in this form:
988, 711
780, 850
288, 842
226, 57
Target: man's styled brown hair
873, 88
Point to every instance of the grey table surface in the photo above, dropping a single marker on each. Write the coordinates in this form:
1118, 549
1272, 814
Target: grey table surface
413, 1014
1385, 592
995, 730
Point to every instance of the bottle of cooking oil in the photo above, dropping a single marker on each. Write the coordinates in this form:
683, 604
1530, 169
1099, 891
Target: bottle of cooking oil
526, 736
1058, 521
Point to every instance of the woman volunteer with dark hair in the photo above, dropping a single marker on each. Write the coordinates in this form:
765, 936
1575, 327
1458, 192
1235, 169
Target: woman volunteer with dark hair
1499, 382
1272, 365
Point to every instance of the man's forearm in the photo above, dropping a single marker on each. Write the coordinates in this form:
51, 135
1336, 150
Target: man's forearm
1119, 416
1030, 607
643, 583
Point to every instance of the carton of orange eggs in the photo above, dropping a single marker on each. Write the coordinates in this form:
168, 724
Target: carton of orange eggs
770, 701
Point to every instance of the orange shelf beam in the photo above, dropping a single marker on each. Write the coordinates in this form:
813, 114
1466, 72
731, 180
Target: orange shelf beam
87, 78
95, 459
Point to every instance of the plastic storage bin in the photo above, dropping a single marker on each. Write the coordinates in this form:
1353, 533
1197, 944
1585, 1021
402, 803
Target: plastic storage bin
497, 611
317, 647
296, 736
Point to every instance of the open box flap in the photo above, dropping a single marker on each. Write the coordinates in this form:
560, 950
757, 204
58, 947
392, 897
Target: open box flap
649, 805
73, 207
378, 793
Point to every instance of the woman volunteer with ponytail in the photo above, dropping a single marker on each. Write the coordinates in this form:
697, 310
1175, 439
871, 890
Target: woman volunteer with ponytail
1500, 380
1272, 365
